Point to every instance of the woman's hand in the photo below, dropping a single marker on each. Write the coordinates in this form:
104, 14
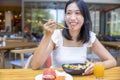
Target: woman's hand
49, 27
90, 68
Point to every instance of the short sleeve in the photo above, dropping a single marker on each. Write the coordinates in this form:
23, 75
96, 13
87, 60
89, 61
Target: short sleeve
56, 37
92, 39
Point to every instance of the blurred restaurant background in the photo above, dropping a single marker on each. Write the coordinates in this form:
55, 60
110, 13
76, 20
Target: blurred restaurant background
24, 18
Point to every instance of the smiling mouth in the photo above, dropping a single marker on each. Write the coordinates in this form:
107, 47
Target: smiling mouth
73, 24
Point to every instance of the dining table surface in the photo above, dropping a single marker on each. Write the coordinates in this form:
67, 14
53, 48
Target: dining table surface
29, 74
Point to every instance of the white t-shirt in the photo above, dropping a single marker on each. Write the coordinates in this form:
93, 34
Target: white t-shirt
62, 54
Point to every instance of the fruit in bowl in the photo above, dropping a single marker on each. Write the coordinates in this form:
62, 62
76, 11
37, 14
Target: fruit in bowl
48, 77
74, 68
49, 74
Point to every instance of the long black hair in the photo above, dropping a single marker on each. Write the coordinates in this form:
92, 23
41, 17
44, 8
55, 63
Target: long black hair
84, 34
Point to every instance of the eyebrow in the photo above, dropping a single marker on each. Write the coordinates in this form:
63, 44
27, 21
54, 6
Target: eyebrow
71, 10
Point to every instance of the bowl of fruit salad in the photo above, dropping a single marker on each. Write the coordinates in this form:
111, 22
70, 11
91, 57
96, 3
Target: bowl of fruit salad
74, 68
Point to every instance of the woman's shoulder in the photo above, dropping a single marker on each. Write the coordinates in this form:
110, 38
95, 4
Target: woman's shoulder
92, 33
92, 36
56, 37
91, 40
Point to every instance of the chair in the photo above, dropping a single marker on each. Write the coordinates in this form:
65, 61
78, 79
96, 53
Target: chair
22, 61
28, 65
28, 62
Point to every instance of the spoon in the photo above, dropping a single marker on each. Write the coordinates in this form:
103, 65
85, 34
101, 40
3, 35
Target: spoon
57, 24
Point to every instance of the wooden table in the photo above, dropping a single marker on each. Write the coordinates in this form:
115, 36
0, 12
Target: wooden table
113, 44
29, 74
12, 45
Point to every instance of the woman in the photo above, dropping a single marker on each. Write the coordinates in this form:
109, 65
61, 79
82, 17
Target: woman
70, 45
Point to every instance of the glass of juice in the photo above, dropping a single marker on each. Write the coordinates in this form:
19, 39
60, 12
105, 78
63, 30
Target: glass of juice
99, 71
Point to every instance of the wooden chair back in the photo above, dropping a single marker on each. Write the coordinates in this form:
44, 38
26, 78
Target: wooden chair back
22, 52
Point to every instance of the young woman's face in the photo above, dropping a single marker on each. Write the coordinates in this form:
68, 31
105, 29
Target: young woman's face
74, 18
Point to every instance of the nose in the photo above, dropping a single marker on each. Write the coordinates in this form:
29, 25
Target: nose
73, 16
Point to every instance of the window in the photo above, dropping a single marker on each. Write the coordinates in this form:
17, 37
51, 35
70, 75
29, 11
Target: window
113, 22
35, 12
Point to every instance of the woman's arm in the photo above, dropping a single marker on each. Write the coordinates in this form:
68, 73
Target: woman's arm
46, 46
105, 56
103, 53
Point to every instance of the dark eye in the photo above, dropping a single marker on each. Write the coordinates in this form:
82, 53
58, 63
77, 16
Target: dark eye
68, 13
78, 13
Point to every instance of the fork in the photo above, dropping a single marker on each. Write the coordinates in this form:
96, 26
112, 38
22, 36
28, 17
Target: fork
57, 24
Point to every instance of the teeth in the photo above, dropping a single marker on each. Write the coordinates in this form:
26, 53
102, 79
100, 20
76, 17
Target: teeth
73, 23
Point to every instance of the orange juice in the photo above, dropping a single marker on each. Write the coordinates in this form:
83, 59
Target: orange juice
99, 70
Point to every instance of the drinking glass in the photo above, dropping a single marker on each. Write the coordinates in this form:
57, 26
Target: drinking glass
99, 71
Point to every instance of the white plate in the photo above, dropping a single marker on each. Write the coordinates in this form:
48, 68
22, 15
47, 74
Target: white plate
67, 77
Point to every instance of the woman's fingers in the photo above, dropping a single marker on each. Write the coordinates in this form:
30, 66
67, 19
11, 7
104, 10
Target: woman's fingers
50, 26
89, 69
